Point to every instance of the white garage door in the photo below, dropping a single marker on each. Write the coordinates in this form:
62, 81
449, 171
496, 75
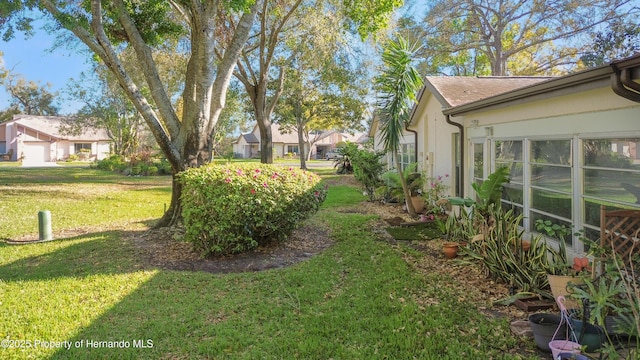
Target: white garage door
36, 152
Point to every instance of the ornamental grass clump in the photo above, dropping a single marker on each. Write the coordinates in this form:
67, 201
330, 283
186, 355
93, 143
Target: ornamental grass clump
237, 207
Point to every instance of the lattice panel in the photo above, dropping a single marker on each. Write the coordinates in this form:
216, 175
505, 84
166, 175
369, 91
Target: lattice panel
620, 230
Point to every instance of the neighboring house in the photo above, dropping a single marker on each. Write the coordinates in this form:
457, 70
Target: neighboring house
37, 139
571, 142
248, 145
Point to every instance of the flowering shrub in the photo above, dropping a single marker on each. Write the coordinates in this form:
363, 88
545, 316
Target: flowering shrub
236, 207
434, 194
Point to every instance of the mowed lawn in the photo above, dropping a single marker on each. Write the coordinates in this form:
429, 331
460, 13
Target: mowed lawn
91, 295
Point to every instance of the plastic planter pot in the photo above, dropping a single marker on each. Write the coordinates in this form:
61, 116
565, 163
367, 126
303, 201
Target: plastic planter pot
543, 327
591, 336
571, 356
563, 346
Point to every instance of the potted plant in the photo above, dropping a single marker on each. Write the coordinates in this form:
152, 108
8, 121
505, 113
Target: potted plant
435, 202
450, 249
393, 191
610, 301
562, 274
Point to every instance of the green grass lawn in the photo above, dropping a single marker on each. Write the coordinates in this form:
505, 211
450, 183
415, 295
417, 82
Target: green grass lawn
357, 300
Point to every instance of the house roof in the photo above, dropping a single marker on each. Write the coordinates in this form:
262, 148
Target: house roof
357, 138
606, 75
278, 136
250, 138
50, 125
453, 91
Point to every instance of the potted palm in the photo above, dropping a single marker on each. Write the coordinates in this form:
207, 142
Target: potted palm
415, 183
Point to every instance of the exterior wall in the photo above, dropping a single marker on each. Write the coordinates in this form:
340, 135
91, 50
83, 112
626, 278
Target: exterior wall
239, 147
436, 146
245, 150
569, 190
278, 150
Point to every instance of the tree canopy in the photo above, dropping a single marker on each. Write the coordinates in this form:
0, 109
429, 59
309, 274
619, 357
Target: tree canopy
184, 130
27, 97
509, 37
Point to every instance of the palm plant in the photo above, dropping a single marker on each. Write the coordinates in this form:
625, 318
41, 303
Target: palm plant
398, 84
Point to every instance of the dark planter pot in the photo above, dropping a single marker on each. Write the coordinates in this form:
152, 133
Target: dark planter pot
543, 327
570, 356
591, 336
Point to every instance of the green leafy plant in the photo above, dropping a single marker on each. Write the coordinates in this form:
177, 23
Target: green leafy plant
236, 207
560, 265
434, 195
398, 84
343, 164
488, 193
502, 252
393, 183
114, 163
603, 296
367, 169
611, 298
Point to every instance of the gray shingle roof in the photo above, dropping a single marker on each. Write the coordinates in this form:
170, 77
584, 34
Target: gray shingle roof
50, 125
250, 138
458, 90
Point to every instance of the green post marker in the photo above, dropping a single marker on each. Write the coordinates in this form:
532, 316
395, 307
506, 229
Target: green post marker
44, 225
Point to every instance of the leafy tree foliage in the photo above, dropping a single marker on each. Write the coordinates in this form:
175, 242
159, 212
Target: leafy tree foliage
107, 28
324, 87
509, 37
619, 40
105, 107
283, 30
27, 97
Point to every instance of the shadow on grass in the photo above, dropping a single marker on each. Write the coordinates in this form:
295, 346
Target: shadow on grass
79, 256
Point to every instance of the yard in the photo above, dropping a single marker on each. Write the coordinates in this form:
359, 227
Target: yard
108, 288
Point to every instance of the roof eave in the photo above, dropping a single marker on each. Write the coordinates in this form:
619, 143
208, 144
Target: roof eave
527, 92
433, 91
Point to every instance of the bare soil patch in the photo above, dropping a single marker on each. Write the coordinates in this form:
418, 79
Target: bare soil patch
159, 248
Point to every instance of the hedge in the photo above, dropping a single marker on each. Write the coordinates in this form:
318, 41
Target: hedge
237, 207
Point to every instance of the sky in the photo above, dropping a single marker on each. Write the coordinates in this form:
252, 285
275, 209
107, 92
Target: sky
32, 59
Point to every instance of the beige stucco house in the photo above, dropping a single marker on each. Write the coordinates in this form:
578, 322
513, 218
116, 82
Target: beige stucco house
38, 139
284, 143
571, 142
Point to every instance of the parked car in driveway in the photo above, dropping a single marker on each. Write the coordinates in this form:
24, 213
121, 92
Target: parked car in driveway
332, 155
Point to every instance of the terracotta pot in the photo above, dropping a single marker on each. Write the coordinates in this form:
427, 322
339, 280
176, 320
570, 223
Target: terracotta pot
450, 249
525, 245
418, 203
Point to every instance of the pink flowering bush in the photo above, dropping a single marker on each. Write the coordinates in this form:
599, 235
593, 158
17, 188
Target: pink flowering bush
236, 207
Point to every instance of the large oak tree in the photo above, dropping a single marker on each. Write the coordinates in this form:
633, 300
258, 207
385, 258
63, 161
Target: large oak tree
107, 27
510, 37
184, 133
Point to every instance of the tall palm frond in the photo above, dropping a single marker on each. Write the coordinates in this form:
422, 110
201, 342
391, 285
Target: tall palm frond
398, 85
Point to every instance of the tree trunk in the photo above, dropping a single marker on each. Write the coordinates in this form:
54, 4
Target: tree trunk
184, 140
173, 215
405, 187
301, 146
266, 141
